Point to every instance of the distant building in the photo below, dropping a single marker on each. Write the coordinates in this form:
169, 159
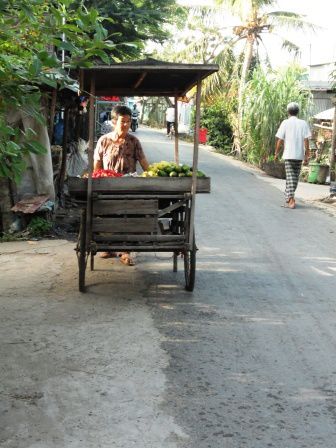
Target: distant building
320, 85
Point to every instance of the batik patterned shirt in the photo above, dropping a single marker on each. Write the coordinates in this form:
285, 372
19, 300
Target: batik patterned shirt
119, 157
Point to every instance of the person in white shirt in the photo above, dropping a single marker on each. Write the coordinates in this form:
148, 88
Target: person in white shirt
135, 112
293, 134
170, 118
107, 125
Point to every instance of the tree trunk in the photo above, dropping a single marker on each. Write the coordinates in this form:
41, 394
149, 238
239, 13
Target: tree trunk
52, 114
38, 176
60, 192
144, 105
243, 78
6, 203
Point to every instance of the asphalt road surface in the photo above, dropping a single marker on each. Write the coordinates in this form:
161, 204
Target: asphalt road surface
246, 360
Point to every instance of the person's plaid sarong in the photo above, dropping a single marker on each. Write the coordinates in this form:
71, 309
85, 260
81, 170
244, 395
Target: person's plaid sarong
293, 168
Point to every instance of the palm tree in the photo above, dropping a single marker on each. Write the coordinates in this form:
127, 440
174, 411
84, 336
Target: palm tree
203, 40
257, 20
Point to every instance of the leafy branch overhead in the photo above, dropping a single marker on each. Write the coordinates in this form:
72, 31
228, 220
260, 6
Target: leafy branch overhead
33, 33
138, 21
42, 40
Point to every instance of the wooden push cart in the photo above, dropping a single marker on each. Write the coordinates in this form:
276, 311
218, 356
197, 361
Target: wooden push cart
140, 214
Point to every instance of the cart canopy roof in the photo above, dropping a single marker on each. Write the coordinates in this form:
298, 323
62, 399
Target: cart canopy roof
148, 77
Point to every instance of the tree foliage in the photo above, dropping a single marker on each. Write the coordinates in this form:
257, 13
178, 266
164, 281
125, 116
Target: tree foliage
35, 33
265, 100
256, 19
201, 40
208, 41
31, 34
146, 20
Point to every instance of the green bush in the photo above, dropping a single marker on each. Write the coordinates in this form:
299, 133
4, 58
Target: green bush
215, 118
266, 97
39, 226
9, 237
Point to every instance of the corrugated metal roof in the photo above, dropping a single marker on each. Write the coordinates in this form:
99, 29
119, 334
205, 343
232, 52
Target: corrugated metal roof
326, 114
148, 77
29, 204
318, 85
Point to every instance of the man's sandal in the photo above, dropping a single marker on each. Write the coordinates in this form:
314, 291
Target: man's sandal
107, 254
126, 259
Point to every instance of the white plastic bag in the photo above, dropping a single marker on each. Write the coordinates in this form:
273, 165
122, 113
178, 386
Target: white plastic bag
77, 162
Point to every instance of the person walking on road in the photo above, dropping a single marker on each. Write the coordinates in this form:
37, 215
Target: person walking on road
135, 117
107, 126
170, 118
294, 135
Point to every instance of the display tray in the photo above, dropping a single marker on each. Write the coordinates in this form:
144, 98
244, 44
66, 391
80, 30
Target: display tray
128, 185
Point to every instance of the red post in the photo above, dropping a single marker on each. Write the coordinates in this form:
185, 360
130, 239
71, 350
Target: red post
203, 132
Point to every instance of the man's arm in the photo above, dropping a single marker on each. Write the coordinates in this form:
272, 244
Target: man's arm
144, 163
278, 148
97, 156
140, 155
307, 150
97, 165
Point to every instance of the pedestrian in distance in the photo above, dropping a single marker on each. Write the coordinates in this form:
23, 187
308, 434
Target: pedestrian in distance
107, 126
135, 116
170, 118
293, 134
135, 112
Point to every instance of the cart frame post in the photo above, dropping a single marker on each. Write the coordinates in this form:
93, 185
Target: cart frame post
177, 157
195, 162
90, 159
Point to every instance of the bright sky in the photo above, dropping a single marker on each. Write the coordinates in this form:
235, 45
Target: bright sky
318, 47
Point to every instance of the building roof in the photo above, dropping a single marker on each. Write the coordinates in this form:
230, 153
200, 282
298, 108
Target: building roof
147, 77
322, 64
325, 114
318, 85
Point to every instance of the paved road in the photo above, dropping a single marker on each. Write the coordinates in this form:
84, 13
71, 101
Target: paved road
253, 359
247, 360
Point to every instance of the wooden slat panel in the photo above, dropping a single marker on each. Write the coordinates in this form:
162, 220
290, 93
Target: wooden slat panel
141, 196
139, 184
125, 207
124, 225
134, 185
149, 248
172, 207
139, 238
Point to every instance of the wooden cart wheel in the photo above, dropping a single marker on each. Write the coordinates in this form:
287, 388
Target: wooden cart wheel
82, 252
190, 267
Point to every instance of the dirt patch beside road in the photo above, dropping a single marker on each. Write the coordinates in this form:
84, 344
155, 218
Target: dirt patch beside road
77, 370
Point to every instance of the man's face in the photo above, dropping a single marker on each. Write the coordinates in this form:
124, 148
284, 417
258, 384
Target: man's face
122, 124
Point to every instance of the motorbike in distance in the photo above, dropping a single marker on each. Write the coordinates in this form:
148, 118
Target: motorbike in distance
171, 131
134, 118
134, 123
